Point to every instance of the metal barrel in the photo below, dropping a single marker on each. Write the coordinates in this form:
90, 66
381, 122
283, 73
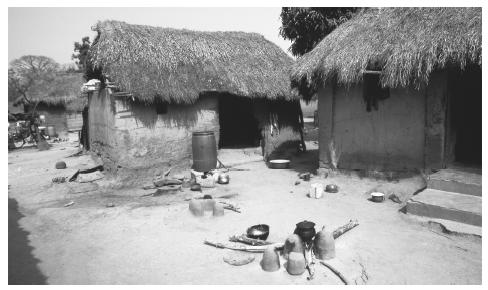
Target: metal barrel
204, 149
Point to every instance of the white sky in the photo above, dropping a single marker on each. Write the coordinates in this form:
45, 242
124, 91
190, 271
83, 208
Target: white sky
51, 31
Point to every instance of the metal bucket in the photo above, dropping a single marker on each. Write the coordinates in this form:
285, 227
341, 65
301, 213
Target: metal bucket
51, 131
204, 149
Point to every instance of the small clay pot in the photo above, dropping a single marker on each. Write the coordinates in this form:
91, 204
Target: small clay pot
324, 245
292, 244
218, 209
196, 187
60, 165
271, 260
196, 207
296, 263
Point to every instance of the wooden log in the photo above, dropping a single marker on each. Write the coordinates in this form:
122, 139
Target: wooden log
237, 247
335, 271
345, 228
253, 242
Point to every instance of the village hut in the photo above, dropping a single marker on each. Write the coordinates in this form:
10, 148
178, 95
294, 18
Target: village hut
398, 89
159, 85
59, 100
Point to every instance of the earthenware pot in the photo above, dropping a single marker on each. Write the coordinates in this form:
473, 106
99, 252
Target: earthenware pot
218, 209
208, 204
296, 263
196, 207
324, 245
305, 230
292, 244
271, 260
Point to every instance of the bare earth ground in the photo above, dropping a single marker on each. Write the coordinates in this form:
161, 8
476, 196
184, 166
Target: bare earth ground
155, 240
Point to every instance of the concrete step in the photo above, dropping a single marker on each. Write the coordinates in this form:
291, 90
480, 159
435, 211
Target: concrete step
446, 205
455, 180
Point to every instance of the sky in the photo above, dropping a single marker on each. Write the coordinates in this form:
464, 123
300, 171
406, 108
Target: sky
52, 31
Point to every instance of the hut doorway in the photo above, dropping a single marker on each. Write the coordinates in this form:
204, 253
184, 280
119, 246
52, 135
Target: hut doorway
465, 117
238, 126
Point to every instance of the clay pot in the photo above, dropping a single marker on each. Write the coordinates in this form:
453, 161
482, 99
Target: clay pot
271, 260
208, 204
324, 245
296, 263
60, 165
292, 244
196, 207
218, 209
305, 230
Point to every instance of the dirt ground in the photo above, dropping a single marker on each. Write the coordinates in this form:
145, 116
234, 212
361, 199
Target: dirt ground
155, 240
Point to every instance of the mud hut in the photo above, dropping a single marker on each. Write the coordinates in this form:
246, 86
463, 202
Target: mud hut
161, 84
398, 89
59, 100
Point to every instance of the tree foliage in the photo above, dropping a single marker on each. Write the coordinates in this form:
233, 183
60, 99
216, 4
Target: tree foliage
27, 72
82, 60
307, 26
81, 53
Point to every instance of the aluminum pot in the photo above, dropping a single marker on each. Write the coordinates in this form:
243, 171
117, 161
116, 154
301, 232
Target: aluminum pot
279, 163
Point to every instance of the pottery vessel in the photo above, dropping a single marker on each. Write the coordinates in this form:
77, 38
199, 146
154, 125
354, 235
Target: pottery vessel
196, 207
324, 245
305, 230
296, 263
292, 244
218, 209
271, 260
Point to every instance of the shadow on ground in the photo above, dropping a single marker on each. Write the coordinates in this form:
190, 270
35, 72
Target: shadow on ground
22, 266
307, 161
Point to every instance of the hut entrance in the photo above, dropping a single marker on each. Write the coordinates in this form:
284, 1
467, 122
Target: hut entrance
465, 117
238, 126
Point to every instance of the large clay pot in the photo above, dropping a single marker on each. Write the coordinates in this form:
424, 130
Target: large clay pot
292, 244
196, 207
208, 204
271, 260
324, 245
296, 263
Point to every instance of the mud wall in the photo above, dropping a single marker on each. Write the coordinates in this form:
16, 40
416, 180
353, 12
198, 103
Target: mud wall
391, 138
101, 127
136, 137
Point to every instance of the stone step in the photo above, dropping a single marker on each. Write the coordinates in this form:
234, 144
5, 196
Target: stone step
455, 180
446, 205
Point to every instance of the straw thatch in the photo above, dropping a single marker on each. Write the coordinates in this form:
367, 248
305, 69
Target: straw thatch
175, 65
64, 89
406, 44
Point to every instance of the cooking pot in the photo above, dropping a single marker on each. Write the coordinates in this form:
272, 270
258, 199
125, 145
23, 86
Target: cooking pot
279, 163
332, 188
305, 230
259, 232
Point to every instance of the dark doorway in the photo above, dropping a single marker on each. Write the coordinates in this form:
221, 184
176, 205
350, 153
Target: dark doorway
465, 116
238, 126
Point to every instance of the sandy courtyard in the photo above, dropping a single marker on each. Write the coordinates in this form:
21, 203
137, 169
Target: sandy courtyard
155, 240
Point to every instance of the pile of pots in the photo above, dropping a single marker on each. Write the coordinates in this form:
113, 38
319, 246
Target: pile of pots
299, 249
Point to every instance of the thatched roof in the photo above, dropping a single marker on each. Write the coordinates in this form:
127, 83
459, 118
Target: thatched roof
406, 44
177, 65
64, 89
